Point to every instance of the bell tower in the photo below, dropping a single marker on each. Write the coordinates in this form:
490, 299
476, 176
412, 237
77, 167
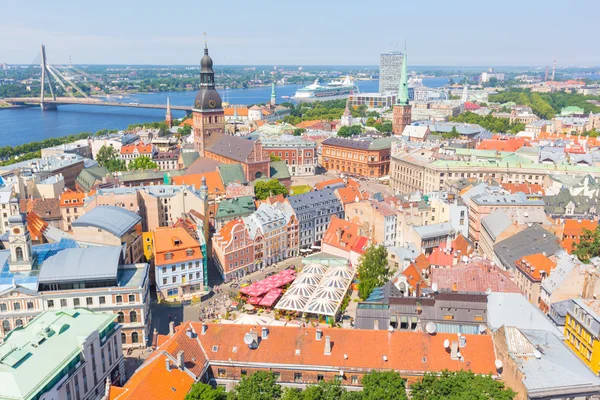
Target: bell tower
19, 243
402, 112
208, 118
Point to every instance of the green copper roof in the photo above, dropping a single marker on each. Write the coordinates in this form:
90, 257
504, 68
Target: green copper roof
232, 173
382, 143
238, 207
279, 170
35, 357
403, 89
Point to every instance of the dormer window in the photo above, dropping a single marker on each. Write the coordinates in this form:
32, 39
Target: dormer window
189, 252
168, 256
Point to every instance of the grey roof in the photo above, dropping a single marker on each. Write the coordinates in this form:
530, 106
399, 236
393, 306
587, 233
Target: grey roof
310, 202
361, 144
228, 146
502, 197
202, 165
81, 264
434, 230
556, 373
558, 312
279, 170
88, 176
496, 223
188, 158
513, 309
564, 265
115, 220
531, 240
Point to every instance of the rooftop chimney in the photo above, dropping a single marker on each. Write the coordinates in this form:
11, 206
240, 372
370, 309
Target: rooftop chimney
327, 345
319, 334
204, 329
168, 364
265, 333
180, 360
190, 333
338, 234
455, 287
171, 328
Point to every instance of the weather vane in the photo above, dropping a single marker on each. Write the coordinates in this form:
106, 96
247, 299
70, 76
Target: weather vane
205, 44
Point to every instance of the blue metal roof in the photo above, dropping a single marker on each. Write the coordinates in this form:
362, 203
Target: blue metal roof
115, 220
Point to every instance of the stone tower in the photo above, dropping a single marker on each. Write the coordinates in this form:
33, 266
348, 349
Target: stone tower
207, 113
169, 116
401, 116
346, 119
465, 93
19, 242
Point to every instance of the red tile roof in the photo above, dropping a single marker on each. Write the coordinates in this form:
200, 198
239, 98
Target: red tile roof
422, 263
535, 266
47, 209
510, 144
460, 247
471, 106
349, 234
413, 276
477, 276
141, 148
321, 185
527, 188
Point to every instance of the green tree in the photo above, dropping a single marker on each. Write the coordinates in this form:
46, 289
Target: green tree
142, 163
274, 157
299, 131
589, 245
373, 270
453, 134
330, 390
272, 187
387, 385
461, 385
260, 385
185, 130
202, 391
105, 154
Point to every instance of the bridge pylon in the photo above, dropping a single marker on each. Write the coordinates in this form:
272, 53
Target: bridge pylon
46, 74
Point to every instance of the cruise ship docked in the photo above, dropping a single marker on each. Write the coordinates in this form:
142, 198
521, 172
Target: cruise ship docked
332, 91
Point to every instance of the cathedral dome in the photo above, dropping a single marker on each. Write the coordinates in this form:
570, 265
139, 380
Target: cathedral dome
207, 99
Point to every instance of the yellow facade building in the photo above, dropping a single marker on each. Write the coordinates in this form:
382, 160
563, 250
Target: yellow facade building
582, 331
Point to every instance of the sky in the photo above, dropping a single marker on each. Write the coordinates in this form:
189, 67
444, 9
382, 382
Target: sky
301, 32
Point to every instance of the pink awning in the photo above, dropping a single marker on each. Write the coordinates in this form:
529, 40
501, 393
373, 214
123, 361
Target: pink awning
271, 297
263, 286
254, 300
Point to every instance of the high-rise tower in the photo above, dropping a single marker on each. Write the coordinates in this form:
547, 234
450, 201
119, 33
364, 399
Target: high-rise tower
207, 113
390, 65
169, 115
402, 110
273, 95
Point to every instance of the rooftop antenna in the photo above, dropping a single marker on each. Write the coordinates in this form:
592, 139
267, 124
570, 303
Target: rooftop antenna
205, 41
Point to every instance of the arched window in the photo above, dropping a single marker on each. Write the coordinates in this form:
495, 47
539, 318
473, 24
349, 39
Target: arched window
19, 253
134, 337
132, 316
5, 326
123, 337
19, 322
120, 317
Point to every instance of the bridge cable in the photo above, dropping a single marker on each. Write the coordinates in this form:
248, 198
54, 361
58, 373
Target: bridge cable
70, 82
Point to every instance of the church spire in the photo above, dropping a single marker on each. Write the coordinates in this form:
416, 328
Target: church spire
465, 93
273, 95
169, 115
402, 98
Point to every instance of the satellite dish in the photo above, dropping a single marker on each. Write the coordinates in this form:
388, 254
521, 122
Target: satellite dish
537, 354
430, 327
434, 287
498, 364
459, 355
446, 343
248, 339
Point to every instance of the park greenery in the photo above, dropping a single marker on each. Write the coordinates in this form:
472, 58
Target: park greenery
387, 385
271, 187
108, 157
384, 127
320, 110
453, 134
489, 122
373, 270
546, 105
142, 163
589, 245
349, 131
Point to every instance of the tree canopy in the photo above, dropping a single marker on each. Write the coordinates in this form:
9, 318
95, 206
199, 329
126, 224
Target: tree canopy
489, 122
272, 187
274, 157
589, 245
461, 385
349, 131
373, 270
261, 385
203, 391
108, 157
387, 385
142, 163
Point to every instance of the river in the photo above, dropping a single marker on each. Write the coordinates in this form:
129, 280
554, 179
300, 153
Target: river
22, 125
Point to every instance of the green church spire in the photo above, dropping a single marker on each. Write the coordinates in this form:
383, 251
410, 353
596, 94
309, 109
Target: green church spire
402, 98
273, 96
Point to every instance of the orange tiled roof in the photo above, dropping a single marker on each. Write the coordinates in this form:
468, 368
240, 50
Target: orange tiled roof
349, 233
224, 234
422, 263
573, 229
186, 122
527, 188
175, 241
413, 276
533, 264
459, 247
410, 352
308, 124
141, 148
36, 225
213, 181
71, 198
153, 381
321, 185
350, 193
241, 111
511, 144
